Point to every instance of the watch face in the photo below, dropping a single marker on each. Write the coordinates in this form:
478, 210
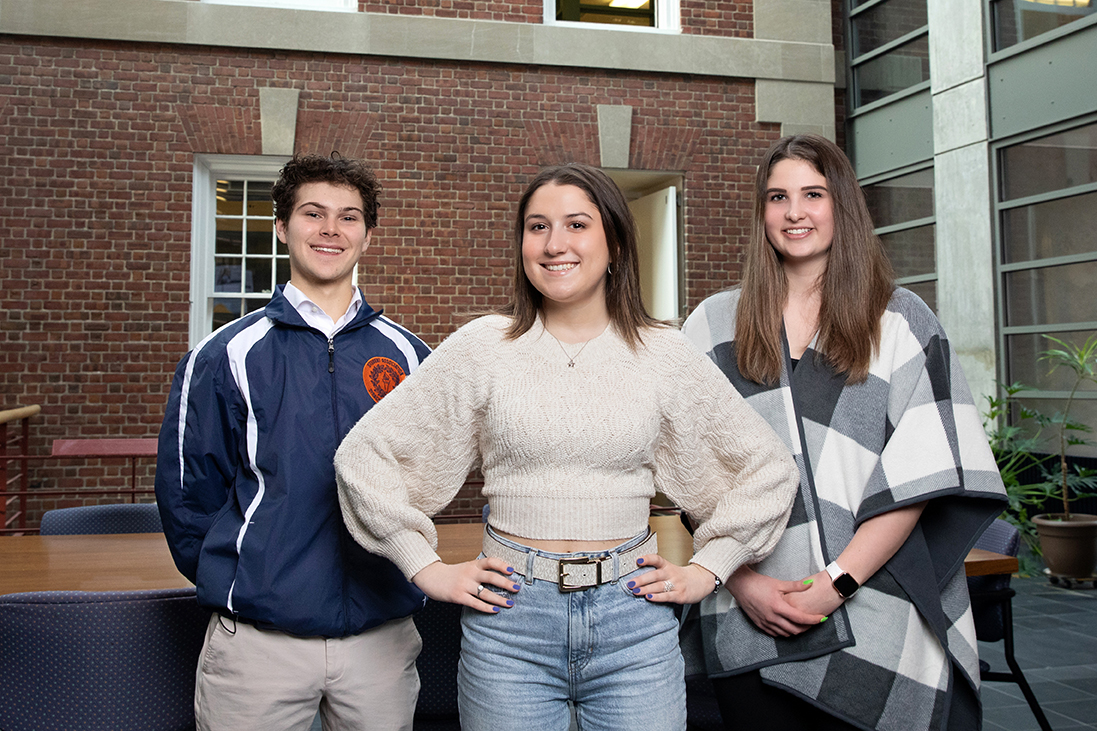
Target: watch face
846, 585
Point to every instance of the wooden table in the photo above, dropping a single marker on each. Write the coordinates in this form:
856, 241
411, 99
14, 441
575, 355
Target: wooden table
120, 562
142, 561
985, 563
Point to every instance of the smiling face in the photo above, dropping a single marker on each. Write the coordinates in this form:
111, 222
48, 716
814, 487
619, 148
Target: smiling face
564, 249
326, 235
799, 214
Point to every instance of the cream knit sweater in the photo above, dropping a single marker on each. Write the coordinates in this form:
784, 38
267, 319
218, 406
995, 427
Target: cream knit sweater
566, 453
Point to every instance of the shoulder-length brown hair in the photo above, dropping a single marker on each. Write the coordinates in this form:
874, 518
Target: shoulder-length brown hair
626, 308
854, 289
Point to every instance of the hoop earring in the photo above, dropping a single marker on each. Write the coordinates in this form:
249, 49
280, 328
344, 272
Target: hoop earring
609, 269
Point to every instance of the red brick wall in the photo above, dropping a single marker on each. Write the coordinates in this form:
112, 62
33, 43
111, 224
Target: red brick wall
735, 19
97, 142
519, 11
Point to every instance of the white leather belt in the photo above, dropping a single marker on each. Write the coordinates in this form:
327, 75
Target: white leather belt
572, 574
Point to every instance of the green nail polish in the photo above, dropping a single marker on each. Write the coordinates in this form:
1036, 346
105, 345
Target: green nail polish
823, 619
808, 581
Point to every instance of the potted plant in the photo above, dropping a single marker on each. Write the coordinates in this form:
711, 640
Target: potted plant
1068, 540
1016, 447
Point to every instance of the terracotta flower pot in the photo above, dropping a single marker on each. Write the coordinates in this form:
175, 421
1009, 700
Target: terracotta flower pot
1070, 547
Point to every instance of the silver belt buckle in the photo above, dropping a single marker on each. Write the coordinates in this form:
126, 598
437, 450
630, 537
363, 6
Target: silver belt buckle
561, 573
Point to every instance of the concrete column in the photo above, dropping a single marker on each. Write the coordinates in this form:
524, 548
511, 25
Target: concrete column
963, 194
799, 107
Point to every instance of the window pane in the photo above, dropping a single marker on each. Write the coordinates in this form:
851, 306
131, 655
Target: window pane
615, 12
230, 196
1019, 20
226, 274
927, 291
225, 310
1026, 367
906, 198
259, 200
1051, 295
886, 22
245, 248
260, 243
230, 238
912, 252
1058, 161
892, 72
282, 274
258, 274
1055, 228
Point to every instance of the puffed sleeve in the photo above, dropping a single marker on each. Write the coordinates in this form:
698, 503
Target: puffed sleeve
408, 456
723, 464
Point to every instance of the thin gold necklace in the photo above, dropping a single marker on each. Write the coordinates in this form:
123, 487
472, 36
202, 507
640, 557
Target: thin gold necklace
571, 358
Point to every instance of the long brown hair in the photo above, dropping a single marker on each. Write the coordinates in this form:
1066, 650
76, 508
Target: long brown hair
855, 287
623, 301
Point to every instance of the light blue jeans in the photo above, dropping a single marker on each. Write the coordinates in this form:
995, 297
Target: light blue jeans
613, 655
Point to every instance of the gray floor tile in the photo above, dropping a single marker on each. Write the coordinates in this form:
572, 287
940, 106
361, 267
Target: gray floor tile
1055, 630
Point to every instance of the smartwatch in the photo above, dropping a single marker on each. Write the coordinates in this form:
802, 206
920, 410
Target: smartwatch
844, 584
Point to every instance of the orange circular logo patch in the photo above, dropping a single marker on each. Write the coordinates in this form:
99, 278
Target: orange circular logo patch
381, 375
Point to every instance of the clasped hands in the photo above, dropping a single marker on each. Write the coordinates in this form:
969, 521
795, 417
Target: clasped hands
784, 608
468, 583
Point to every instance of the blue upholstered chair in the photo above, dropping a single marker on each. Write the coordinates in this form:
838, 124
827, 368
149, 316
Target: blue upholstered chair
99, 519
992, 610
439, 624
99, 660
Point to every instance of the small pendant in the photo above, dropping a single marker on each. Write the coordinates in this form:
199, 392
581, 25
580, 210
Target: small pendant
571, 364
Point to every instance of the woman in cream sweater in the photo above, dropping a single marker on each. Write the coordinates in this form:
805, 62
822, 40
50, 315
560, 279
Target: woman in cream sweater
577, 406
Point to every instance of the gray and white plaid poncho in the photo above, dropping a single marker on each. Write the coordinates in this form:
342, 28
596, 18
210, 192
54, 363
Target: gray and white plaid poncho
889, 657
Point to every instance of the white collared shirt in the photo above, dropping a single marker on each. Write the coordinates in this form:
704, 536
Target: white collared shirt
316, 317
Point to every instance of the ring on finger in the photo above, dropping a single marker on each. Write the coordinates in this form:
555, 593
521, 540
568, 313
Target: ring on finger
479, 589
668, 586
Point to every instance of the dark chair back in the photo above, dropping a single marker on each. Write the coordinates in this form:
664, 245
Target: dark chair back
100, 660
992, 611
986, 591
100, 519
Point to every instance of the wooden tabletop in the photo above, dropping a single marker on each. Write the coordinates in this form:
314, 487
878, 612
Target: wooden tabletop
129, 562
985, 563
121, 562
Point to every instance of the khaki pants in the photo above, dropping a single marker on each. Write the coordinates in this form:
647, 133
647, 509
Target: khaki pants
260, 679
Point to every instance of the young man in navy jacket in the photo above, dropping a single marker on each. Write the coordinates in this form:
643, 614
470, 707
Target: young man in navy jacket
303, 618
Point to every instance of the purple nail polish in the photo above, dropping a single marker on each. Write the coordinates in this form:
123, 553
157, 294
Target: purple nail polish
632, 585
516, 587
495, 609
510, 603
649, 596
510, 569
639, 562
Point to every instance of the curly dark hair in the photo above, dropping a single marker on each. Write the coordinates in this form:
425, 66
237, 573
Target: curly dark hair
337, 170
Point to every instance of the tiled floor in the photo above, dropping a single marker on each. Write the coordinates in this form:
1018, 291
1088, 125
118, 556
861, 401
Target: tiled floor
1055, 631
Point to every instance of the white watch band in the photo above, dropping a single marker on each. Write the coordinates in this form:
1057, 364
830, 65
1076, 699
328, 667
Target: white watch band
834, 570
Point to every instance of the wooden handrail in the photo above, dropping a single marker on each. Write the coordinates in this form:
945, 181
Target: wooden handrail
22, 412
21, 442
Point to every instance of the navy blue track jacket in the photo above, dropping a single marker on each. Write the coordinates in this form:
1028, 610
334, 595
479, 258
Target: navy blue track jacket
244, 473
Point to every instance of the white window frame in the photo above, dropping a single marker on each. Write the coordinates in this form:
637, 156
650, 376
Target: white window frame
342, 6
207, 169
668, 19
